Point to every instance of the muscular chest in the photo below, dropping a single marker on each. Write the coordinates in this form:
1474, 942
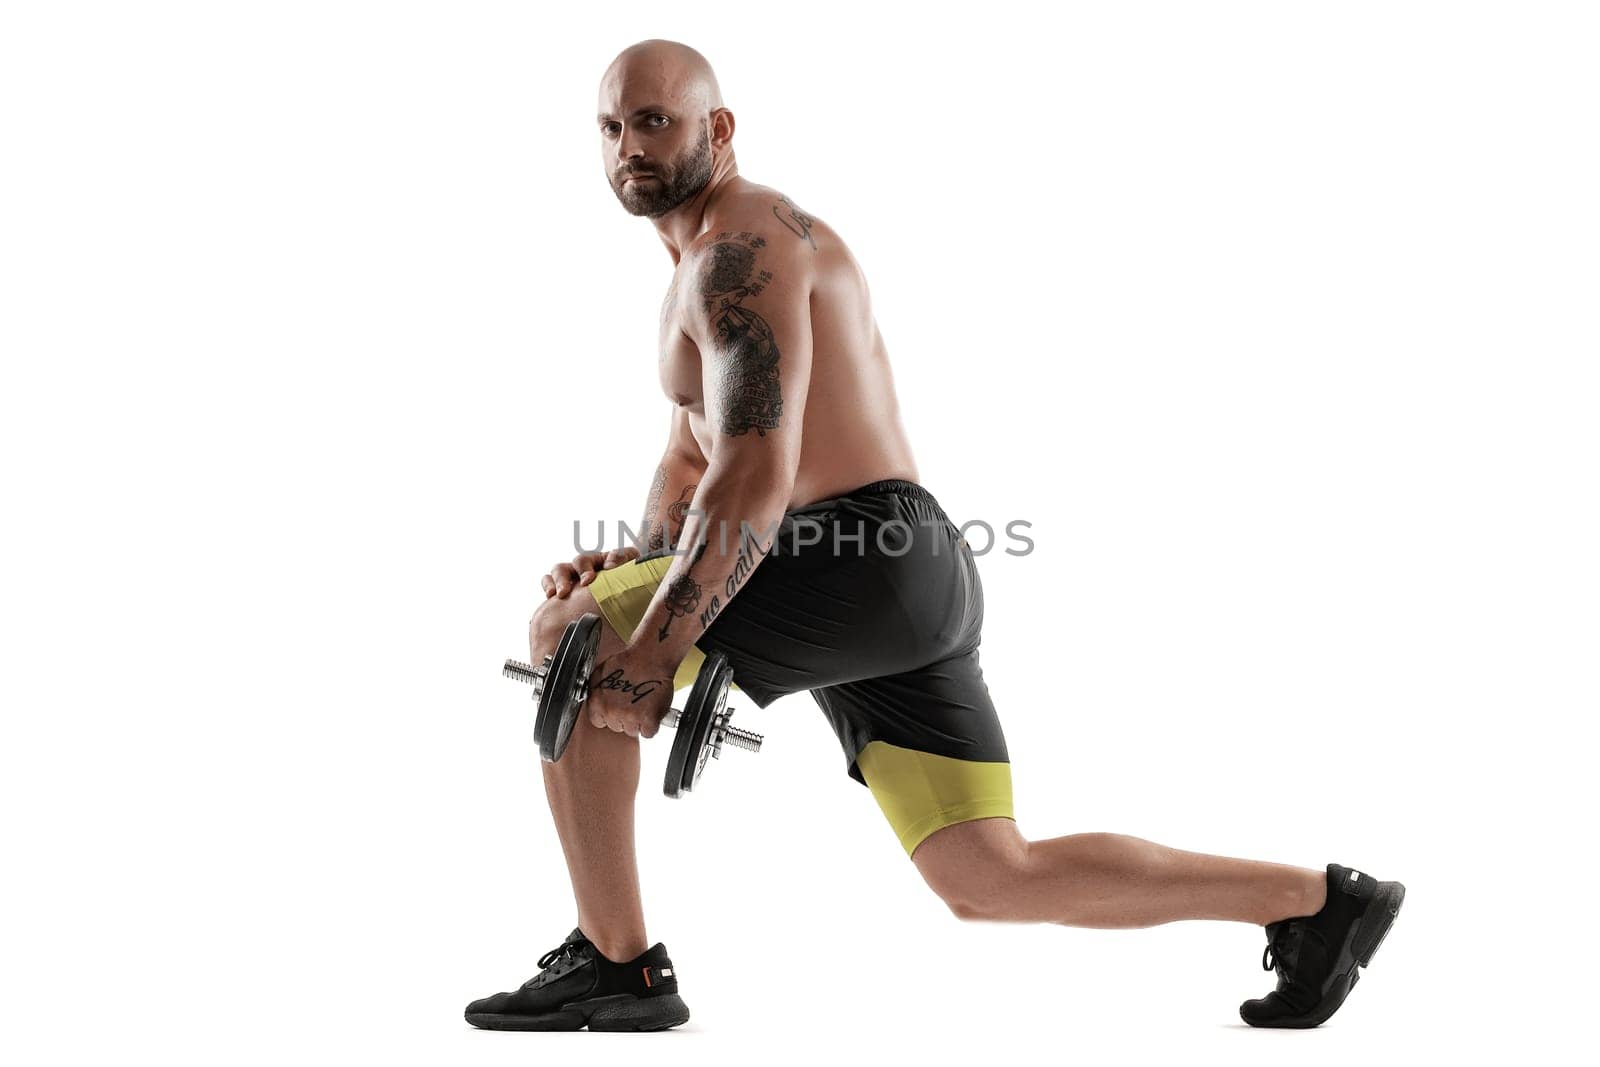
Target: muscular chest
679, 366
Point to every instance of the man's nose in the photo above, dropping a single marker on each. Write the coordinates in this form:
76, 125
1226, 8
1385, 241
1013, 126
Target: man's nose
628, 146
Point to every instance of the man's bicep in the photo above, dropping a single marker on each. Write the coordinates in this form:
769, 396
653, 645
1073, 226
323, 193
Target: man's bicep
754, 318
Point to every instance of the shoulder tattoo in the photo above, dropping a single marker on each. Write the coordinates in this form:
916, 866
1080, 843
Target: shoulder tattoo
797, 220
748, 397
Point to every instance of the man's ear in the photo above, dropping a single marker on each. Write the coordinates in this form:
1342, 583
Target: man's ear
721, 127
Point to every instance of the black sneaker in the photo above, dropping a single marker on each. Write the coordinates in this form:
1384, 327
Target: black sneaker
579, 987
1317, 956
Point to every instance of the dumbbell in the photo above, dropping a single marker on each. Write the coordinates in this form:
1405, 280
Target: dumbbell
561, 684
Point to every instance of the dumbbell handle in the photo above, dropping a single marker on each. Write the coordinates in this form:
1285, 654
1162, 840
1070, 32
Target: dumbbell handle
750, 742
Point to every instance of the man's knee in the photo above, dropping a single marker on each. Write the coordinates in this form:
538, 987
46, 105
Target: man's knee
975, 867
554, 615
972, 897
965, 907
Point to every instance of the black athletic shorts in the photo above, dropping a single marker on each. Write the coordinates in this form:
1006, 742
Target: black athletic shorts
872, 602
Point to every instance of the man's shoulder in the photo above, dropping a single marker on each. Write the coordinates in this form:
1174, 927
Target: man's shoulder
767, 222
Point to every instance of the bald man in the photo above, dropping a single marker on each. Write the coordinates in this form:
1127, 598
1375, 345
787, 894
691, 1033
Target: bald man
786, 527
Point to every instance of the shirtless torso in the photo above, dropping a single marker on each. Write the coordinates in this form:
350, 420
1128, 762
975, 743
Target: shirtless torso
851, 431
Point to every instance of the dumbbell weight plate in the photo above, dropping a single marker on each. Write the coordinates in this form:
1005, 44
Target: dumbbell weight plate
691, 747
565, 685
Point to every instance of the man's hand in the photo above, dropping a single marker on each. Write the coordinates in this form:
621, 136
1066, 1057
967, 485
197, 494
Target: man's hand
565, 577
630, 693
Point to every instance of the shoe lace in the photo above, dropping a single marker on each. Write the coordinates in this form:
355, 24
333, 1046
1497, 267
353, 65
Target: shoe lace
559, 960
1283, 951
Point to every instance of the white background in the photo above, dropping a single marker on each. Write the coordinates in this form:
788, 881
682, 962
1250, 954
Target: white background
1277, 321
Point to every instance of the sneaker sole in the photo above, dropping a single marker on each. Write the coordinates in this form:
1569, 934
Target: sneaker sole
623, 1012
1384, 907
1371, 929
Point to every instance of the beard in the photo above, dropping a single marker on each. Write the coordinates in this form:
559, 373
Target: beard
674, 182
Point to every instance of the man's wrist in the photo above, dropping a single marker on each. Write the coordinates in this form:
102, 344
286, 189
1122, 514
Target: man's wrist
652, 655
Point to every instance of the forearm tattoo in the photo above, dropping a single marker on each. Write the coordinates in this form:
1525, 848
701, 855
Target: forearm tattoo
683, 596
749, 396
654, 528
795, 219
678, 512
749, 550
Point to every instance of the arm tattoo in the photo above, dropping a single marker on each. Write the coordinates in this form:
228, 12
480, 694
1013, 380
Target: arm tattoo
749, 549
654, 535
749, 395
677, 512
795, 219
683, 596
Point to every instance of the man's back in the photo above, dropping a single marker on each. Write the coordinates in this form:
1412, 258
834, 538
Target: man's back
851, 431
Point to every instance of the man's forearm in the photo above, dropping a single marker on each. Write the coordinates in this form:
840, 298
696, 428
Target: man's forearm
668, 502
727, 533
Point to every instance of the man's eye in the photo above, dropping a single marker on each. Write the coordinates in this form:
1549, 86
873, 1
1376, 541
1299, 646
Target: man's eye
658, 125
606, 127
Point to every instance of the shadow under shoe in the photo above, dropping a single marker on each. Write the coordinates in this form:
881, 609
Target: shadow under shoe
1318, 957
579, 987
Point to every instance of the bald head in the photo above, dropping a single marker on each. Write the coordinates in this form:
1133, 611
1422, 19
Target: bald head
678, 72
663, 127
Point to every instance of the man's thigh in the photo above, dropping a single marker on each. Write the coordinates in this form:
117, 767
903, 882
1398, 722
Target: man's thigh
927, 743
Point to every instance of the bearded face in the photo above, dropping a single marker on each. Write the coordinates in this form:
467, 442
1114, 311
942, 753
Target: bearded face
652, 188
